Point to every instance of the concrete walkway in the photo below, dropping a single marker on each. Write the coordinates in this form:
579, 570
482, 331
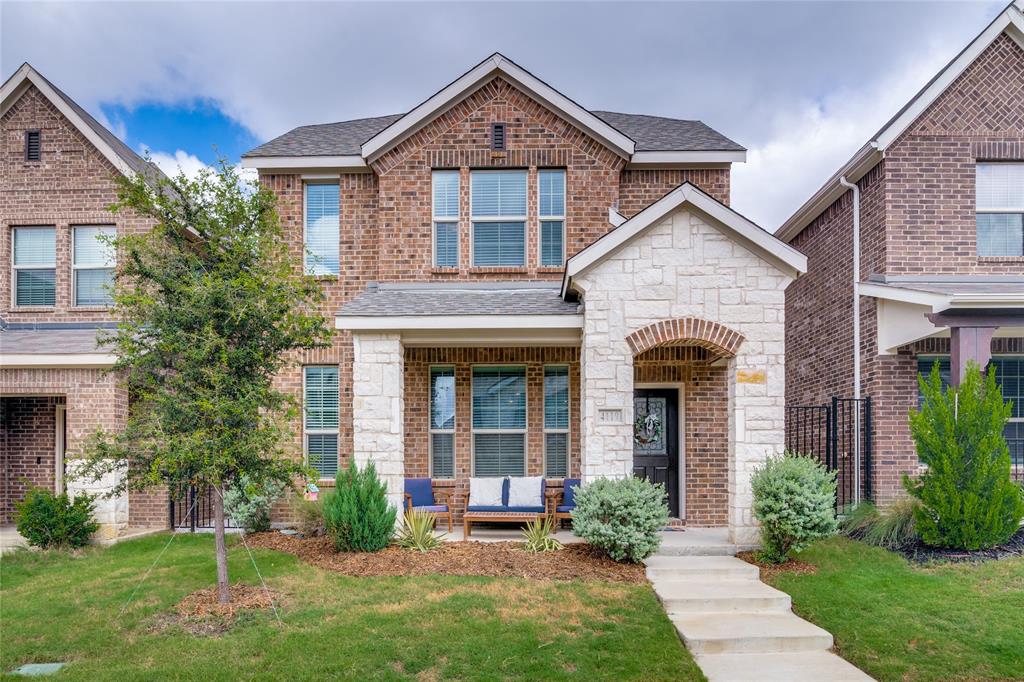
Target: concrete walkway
737, 627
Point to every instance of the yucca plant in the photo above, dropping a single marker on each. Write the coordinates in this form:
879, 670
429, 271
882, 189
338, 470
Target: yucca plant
538, 535
418, 532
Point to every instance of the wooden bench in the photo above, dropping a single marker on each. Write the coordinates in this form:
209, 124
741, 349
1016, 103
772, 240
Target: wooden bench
469, 517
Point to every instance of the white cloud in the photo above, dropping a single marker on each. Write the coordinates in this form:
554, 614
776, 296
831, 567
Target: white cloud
179, 161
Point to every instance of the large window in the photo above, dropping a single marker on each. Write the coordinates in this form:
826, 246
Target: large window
556, 422
93, 263
35, 266
1000, 206
442, 422
321, 419
322, 229
446, 218
1010, 376
499, 218
499, 421
551, 188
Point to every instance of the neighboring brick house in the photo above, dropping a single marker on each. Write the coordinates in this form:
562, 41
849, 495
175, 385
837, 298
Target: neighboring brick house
57, 180
940, 192
524, 287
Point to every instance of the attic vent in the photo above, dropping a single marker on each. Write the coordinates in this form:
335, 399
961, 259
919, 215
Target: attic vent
33, 148
498, 137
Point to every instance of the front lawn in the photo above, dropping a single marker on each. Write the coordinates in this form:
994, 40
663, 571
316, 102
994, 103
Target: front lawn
898, 621
58, 608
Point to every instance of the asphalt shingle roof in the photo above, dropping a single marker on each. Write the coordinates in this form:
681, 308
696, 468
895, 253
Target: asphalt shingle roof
651, 134
424, 300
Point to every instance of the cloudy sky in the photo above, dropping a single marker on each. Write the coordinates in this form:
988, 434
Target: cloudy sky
801, 84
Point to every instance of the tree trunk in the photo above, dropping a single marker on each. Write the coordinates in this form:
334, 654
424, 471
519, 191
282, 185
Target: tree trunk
223, 593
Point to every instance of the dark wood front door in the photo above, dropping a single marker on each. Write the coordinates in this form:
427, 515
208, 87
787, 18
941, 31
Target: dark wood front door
656, 440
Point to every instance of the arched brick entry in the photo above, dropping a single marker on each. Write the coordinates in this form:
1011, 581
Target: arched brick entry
687, 331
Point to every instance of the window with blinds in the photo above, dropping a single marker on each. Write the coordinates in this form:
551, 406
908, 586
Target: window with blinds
35, 266
92, 261
556, 421
498, 201
446, 218
320, 408
322, 229
551, 203
999, 200
499, 421
442, 422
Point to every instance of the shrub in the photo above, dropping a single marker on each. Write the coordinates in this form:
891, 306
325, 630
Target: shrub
357, 516
309, 514
621, 516
247, 502
418, 532
47, 520
538, 536
967, 498
794, 499
891, 528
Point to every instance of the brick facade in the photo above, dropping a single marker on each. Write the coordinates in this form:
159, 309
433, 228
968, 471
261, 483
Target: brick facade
917, 218
28, 427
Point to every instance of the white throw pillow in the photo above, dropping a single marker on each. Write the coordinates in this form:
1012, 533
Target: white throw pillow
525, 492
485, 492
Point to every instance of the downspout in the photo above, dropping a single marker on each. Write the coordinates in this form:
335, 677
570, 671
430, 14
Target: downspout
856, 330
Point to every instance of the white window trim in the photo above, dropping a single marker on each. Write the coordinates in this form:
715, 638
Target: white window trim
473, 220
568, 421
430, 420
525, 431
435, 219
306, 432
75, 267
15, 267
305, 228
541, 218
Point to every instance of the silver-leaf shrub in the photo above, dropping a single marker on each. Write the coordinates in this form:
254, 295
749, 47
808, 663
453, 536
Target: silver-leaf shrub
621, 516
794, 499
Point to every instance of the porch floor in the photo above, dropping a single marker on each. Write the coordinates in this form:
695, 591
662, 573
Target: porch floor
683, 542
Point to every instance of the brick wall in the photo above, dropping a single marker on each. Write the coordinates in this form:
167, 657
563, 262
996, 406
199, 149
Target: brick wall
641, 188
73, 184
28, 438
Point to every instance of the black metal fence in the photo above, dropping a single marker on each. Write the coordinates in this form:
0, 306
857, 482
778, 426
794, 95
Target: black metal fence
192, 508
838, 434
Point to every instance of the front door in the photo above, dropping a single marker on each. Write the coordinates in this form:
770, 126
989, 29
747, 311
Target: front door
656, 440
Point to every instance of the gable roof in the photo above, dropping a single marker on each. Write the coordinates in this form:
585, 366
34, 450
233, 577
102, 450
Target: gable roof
642, 139
1009, 21
733, 224
117, 152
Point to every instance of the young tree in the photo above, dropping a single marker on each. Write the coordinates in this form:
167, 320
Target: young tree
968, 500
211, 306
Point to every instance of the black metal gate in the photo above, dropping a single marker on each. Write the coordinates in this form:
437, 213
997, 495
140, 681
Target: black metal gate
192, 508
838, 434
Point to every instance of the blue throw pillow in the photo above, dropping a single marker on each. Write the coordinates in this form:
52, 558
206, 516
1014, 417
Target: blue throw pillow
568, 494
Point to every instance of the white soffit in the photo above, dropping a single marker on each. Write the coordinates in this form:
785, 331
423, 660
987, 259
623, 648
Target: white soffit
495, 64
456, 322
348, 162
56, 360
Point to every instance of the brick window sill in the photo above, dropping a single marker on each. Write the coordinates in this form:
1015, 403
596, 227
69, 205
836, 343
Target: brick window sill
551, 269
444, 271
499, 270
995, 260
89, 309
34, 309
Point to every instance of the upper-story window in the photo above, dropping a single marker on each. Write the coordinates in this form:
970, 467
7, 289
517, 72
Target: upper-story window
92, 262
322, 229
35, 266
551, 188
446, 218
499, 218
1000, 209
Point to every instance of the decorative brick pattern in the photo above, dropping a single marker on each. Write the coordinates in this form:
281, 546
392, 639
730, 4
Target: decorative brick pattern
687, 331
639, 188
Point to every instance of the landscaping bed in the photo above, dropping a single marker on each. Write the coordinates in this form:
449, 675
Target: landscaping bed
495, 559
921, 553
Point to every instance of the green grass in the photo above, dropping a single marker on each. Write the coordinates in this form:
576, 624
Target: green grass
54, 607
897, 621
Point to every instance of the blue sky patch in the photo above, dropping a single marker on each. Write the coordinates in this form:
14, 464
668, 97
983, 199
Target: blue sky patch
198, 127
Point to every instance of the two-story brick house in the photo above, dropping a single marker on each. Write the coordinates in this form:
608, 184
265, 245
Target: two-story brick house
931, 208
57, 181
523, 287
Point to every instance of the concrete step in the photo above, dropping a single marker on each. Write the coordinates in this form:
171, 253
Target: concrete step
698, 567
803, 666
716, 596
719, 633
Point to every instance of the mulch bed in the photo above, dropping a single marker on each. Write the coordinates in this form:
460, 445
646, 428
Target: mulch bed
498, 559
201, 615
923, 554
771, 570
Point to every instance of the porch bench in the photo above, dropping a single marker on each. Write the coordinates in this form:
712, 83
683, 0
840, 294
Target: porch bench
496, 517
505, 512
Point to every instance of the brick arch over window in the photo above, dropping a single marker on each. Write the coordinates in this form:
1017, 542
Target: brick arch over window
687, 331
